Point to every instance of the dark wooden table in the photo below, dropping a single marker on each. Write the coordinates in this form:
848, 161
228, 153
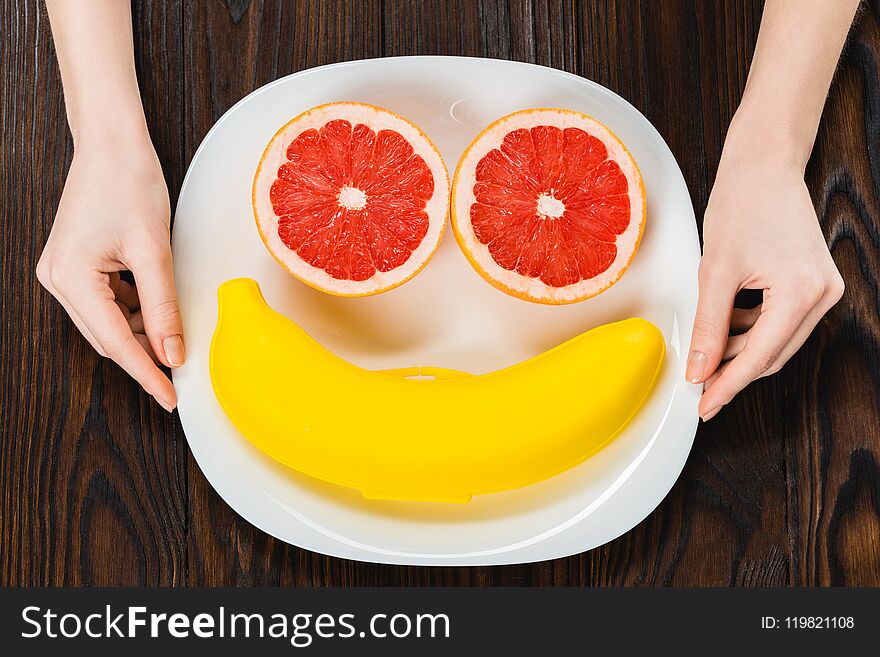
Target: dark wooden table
97, 485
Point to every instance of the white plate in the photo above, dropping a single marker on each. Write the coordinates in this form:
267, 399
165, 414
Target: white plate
446, 316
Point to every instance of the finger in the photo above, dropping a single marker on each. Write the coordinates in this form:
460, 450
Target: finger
74, 316
800, 336
742, 319
832, 292
144, 342
80, 324
124, 310
826, 301
100, 313
768, 337
155, 286
717, 373
45, 277
127, 294
735, 344
136, 323
711, 322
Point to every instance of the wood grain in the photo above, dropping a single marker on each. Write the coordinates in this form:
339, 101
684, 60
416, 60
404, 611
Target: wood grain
97, 485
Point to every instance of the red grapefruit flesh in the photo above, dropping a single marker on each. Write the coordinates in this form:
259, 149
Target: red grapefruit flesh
351, 199
548, 205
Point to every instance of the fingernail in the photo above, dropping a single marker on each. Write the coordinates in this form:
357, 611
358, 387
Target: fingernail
711, 413
168, 406
174, 352
696, 365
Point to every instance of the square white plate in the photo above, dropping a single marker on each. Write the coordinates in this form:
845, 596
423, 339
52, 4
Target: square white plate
447, 316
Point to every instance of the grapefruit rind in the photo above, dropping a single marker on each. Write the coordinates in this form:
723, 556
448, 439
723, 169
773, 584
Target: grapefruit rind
376, 118
511, 282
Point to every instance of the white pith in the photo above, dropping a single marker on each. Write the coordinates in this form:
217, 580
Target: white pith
352, 198
550, 206
533, 288
376, 119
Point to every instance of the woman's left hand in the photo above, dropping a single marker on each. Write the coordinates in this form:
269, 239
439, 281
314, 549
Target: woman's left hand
760, 231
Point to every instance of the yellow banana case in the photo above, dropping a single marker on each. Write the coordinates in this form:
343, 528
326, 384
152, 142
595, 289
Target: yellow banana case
442, 439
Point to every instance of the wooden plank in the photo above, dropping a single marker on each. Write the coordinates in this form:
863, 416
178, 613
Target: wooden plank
413, 27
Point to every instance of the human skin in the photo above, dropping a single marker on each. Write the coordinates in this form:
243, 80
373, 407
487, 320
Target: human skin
114, 212
760, 230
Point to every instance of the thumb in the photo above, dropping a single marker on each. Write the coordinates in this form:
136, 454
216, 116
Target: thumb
155, 284
711, 322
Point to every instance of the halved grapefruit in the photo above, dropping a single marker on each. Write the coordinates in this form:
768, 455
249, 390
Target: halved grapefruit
351, 199
548, 205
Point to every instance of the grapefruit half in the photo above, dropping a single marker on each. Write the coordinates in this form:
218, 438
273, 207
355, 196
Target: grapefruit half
351, 199
548, 205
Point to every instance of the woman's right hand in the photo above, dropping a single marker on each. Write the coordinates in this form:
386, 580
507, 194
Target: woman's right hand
114, 216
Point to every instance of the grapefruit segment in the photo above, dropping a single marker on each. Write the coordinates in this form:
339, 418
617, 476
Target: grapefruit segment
351, 199
548, 205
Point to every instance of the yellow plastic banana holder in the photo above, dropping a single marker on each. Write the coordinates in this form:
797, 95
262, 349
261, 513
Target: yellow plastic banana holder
441, 437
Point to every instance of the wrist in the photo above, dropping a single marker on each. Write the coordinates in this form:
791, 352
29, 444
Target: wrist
132, 138
765, 135
125, 126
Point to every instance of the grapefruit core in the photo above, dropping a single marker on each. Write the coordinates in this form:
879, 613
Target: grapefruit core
548, 205
351, 199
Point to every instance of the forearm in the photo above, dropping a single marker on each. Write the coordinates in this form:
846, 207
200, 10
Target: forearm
93, 41
760, 229
798, 48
